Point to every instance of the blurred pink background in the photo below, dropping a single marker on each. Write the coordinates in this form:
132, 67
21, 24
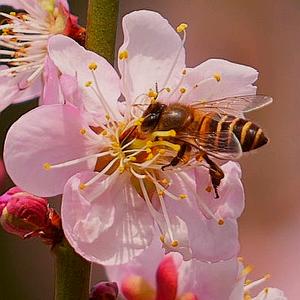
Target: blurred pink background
266, 36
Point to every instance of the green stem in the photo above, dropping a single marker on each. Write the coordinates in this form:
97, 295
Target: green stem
72, 273
101, 28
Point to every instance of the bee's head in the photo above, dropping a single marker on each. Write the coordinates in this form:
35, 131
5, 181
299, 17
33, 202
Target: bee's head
151, 116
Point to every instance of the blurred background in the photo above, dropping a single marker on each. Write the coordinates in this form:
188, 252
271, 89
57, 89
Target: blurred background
266, 36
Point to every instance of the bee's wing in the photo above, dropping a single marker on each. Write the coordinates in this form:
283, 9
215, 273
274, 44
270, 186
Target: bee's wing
236, 106
222, 144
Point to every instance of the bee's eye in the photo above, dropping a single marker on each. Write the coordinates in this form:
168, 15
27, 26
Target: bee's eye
150, 121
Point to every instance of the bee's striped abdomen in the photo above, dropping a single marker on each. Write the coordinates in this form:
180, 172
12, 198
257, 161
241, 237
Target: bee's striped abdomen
250, 135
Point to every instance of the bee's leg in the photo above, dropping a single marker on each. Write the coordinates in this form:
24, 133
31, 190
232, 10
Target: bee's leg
215, 172
175, 161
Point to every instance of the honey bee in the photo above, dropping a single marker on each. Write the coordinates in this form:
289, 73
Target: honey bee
214, 129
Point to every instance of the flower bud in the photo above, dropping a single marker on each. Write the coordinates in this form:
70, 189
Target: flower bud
27, 216
104, 291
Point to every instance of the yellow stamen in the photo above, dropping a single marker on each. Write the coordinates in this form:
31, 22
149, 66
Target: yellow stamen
162, 151
217, 77
182, 90
168, 89
104, 132
182, 196
82, 186
267, 276
184, 72
181, 27
88, 83
221, 222
174, 244
164, 181
148, 150
13, 13
93, 66
171, 133
123, 54
266, 290
47, 166
121, 169
149, 143
240, 259
160, 193
162, 238
152, 94
82, 131
203, 101
107, 117
132, 158
208, 189
149, 157
153, 101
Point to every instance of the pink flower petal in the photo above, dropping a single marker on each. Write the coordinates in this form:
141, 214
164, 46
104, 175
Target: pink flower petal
153, 48
235, 80
72, 59
232, 199
129, 234
208, 240
207, 281
11, 91
47, 135
52, 90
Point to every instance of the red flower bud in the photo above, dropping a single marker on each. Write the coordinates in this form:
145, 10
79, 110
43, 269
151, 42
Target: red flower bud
27, 216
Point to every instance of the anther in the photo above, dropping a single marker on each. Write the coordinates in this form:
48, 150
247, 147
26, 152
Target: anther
182, 196
168, 89
82, 186
208, 189
266, 290
162, 238
162, 151
240, 259
47, 166
160, 192
221, 222
174, 244
13, 13
149, 157
93, 66
203, 101
121, 168
182, 90
123, 54
164, 181
107, 117
82, 131
149, 143
181, 27
184, 72
217, 77
88, 83
152, 94
148, 150
132, 158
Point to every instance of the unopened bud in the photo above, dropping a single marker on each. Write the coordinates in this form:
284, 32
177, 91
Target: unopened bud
28, 216
104, 291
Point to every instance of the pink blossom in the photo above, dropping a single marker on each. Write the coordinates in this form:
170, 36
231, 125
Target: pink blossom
242, 288
154, 276
115, 192
24, 47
